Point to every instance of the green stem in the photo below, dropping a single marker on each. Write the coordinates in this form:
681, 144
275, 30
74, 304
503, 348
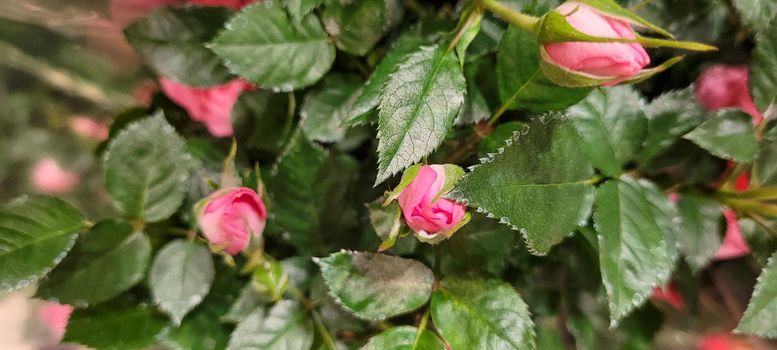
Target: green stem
761, 193
472, 16
325, 336
760, 220
516, 18
422, 326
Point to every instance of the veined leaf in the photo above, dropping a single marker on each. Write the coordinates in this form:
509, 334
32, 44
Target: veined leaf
670, 116
114, 328
298, 9
404, 338
37, 232
763, 68
358, 25
263, 45
760, 317
700, 232
757, 14
419, 104
728, 134
540, 184
285, 326
327, 106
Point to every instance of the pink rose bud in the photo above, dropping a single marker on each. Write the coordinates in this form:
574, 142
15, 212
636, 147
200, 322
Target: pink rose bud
619, 61
55, 317
430, 216
669, 295
722, 86
734, 244
89, 128
47, 176
212, 106
722, 341
231, 216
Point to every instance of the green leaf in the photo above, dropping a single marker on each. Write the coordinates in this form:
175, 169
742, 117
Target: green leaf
261, 120
146, 170
404, 338
502, 134
470, 313
298, 9
765, 166
358, 25
522, 84
700, 231
370, 95
285, 326
326, 107
37, 232
763, 68
180, 277
481, 91
757, 14
760, 317
470, 24
612, 124
201, 330
386, 221
540, 184
109, 259
270, 278
728, 134
308, 189
637, 241
482, 245
670, 116
114, 328
419, 104
247, 301
376, 286
172, 40
259, 42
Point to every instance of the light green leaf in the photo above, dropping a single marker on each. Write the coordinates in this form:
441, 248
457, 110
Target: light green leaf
326, 107
386, 222
637, 234
522, 84
376, 286
757, 14
765, 166
470, 24
728, 134
370, 95
471, 313
298, 9
612, 124
180, 277
358, 25
109, 259
539, 184
285, 326
404, 338
172, 40
419, 104
247, 301
700, 231
201, 330
760, 317
114, 328
670, 116
146, 169
37, 232
763, 68
263, 45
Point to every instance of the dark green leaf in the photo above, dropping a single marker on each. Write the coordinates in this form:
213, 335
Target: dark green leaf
481, 245
370, 95
419, 104
728, 134
670, 116
760, 317
700, 232
386, 221
114, 328
376, 286
481, 91
522, 85
763, 67
201, 330
757, 14
262, 45
358, 25
146, 170
180, 277
37, 232
636, 227
470, 24
502, 134
541, 184
404, 338
471, 313
759, 239
326, 107
249, 300
105, 262
765, 166
261, 120
285, 326
172, 40
612, 124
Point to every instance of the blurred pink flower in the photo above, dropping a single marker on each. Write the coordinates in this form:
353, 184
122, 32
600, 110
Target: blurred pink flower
734, 244
724, 86
124, 12
670, 295
89, 128
722, 341
55, 317
620, 61
47, 176
211, 106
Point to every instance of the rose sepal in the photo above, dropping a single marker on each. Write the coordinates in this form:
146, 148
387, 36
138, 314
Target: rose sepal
613, 9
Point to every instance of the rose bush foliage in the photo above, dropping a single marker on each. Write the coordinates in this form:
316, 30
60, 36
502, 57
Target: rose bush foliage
564, 183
